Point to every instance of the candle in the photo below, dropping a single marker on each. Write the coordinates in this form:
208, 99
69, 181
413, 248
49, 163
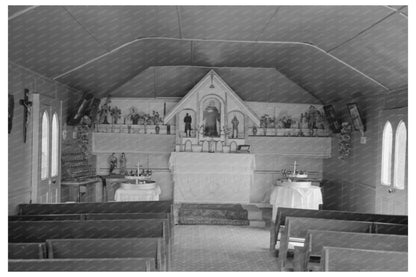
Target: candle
138, 168
294, 168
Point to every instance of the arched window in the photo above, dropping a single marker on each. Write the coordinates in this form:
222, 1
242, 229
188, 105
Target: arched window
400, 156
55, 145
386, 154
45, 147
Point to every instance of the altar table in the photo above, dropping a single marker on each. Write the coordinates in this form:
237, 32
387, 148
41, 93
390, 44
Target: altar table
137, 194
211, 177
301, 195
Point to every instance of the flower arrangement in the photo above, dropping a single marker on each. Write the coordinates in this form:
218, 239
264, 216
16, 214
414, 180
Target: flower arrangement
344, 141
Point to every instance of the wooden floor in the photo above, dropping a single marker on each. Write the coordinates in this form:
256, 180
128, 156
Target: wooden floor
222, 248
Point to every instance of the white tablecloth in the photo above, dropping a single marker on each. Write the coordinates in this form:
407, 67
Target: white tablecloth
212, 177
300, 195
123, 194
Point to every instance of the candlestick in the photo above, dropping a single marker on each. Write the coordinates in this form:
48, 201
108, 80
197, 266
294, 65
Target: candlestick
138, 168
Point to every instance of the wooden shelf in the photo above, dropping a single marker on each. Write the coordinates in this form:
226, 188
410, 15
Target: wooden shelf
316, 147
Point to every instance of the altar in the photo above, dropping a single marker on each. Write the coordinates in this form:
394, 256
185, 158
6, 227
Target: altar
212, 177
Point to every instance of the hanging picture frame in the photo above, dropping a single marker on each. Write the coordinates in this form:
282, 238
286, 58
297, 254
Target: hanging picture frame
333, 122
356, 118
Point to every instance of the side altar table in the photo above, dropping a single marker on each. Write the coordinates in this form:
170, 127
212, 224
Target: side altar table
212, 177
301, 195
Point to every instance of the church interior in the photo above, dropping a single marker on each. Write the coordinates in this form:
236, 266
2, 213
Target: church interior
208, 138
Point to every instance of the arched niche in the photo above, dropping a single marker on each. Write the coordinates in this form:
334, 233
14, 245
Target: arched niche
182, 115
240, 120
211, 114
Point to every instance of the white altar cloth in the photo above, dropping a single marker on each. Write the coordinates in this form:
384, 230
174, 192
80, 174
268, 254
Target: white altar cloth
211, 177
125, 194
301, 195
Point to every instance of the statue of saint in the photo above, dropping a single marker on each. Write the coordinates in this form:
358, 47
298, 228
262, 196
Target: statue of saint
211, 116
123, 162
188, 127
113, 162
235, 123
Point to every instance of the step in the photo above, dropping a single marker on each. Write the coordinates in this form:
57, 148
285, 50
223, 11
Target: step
257, 223
254, 213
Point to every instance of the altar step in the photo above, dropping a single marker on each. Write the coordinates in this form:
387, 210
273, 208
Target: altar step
220, 214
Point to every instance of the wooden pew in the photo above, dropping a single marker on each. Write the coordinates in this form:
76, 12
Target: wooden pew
107, 248
99, 207
106, 207
40, 231
100, 216
113, 264
27, 250
297, 227
316, 239
282, 213
349, 259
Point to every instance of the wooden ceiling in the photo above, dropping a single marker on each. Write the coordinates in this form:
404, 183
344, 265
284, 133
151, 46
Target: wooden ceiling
332, 52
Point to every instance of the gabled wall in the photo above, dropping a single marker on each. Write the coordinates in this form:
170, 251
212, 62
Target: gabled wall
20, 154
351, 184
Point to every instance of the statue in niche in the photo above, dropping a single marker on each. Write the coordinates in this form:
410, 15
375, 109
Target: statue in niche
188, 127
211, 116
123, 162
113, 163
235, 123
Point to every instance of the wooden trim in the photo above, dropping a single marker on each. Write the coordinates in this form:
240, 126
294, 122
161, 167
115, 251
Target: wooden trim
35, 147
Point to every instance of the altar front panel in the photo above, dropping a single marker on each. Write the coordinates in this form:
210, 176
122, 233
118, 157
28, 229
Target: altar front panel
211, 177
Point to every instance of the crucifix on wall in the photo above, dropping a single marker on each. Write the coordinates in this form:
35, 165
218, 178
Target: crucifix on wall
27, 107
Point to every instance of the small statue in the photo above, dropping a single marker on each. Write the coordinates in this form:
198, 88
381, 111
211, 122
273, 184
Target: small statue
113, 162
123, 162
254, 130
115, 114
235, 123
104, 112
188, 120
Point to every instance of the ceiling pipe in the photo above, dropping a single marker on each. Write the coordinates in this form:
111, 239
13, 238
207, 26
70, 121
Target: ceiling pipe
226, 41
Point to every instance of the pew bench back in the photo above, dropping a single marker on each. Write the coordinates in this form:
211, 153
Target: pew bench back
349, 259
107, 248
27, 250
110, 264
390, 228
40, 231
106, 207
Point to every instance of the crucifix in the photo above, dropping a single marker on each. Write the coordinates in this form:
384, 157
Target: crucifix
27, 106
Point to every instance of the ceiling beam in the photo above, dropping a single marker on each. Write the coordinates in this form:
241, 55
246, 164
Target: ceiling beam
361, 32
178, 12
19, 13
227, 41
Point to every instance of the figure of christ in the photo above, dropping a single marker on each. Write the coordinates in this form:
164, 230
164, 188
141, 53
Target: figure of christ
211, 116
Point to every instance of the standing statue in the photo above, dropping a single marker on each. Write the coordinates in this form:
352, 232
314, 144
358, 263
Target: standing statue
113, 163
211, 116
235, 123
188, 127
123, 162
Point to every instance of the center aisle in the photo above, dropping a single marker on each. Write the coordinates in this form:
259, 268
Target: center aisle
222, 248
